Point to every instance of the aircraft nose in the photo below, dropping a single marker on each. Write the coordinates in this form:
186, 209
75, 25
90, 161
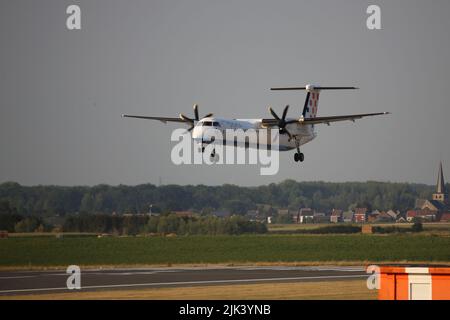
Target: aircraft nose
200, 134
197, 133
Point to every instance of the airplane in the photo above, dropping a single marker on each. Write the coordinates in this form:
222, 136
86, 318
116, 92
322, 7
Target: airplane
293, 132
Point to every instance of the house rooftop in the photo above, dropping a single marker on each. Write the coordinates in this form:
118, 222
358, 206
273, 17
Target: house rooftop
336, 212
306, 212
360, 210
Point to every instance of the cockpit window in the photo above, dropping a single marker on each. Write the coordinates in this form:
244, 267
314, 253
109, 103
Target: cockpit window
210, 124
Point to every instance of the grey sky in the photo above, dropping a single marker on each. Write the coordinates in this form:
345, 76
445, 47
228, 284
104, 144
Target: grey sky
62, 92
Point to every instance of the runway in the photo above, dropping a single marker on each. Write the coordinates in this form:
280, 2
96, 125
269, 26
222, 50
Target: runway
35, 282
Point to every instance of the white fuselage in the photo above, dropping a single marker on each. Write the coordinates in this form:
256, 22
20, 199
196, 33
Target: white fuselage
207, 127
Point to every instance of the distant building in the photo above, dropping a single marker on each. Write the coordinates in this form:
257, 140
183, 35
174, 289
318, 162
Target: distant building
360, 215
320, 217
336, 216
296, 217
440, 194
400, 219
286, 216
373, 216
438, 204
347, 216
422, 214
306, 215
385, 217
393, 214
434, 205
281, 212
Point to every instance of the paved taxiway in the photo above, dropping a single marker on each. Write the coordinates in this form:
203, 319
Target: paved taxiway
35, 282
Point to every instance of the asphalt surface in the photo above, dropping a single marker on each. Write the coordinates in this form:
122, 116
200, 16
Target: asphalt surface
36, 282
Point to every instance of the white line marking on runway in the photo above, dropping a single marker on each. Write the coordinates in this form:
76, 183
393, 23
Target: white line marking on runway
343, 269
16, 277
88, 273
152, 284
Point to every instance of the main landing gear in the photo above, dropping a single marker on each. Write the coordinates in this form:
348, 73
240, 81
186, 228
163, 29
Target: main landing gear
298, 156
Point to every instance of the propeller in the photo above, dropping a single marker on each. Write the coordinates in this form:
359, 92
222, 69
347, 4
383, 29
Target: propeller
282, 121
197, 118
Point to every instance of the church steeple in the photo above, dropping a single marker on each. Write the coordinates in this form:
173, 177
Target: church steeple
440, 194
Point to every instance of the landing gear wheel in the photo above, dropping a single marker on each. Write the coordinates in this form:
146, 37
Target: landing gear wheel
214, 157
299, 157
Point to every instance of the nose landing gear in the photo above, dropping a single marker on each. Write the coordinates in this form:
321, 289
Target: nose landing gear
213, 157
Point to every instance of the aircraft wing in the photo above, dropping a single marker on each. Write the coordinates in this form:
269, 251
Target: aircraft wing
162, 119
328, 120
318, 120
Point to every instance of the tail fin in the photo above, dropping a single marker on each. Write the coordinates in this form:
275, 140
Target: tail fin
312, 97
311, 103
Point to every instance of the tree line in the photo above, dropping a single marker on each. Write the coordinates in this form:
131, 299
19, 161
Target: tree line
12, 221
130, 224
162, 224
104, 199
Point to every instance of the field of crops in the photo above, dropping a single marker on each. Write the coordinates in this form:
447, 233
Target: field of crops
433, 227
50, 251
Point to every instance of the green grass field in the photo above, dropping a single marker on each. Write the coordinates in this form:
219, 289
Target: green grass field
433, 227
46, 251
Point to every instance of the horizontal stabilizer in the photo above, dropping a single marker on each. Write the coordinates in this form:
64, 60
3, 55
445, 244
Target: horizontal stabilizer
311, 88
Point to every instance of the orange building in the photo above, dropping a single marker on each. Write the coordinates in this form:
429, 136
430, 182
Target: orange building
414, 283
